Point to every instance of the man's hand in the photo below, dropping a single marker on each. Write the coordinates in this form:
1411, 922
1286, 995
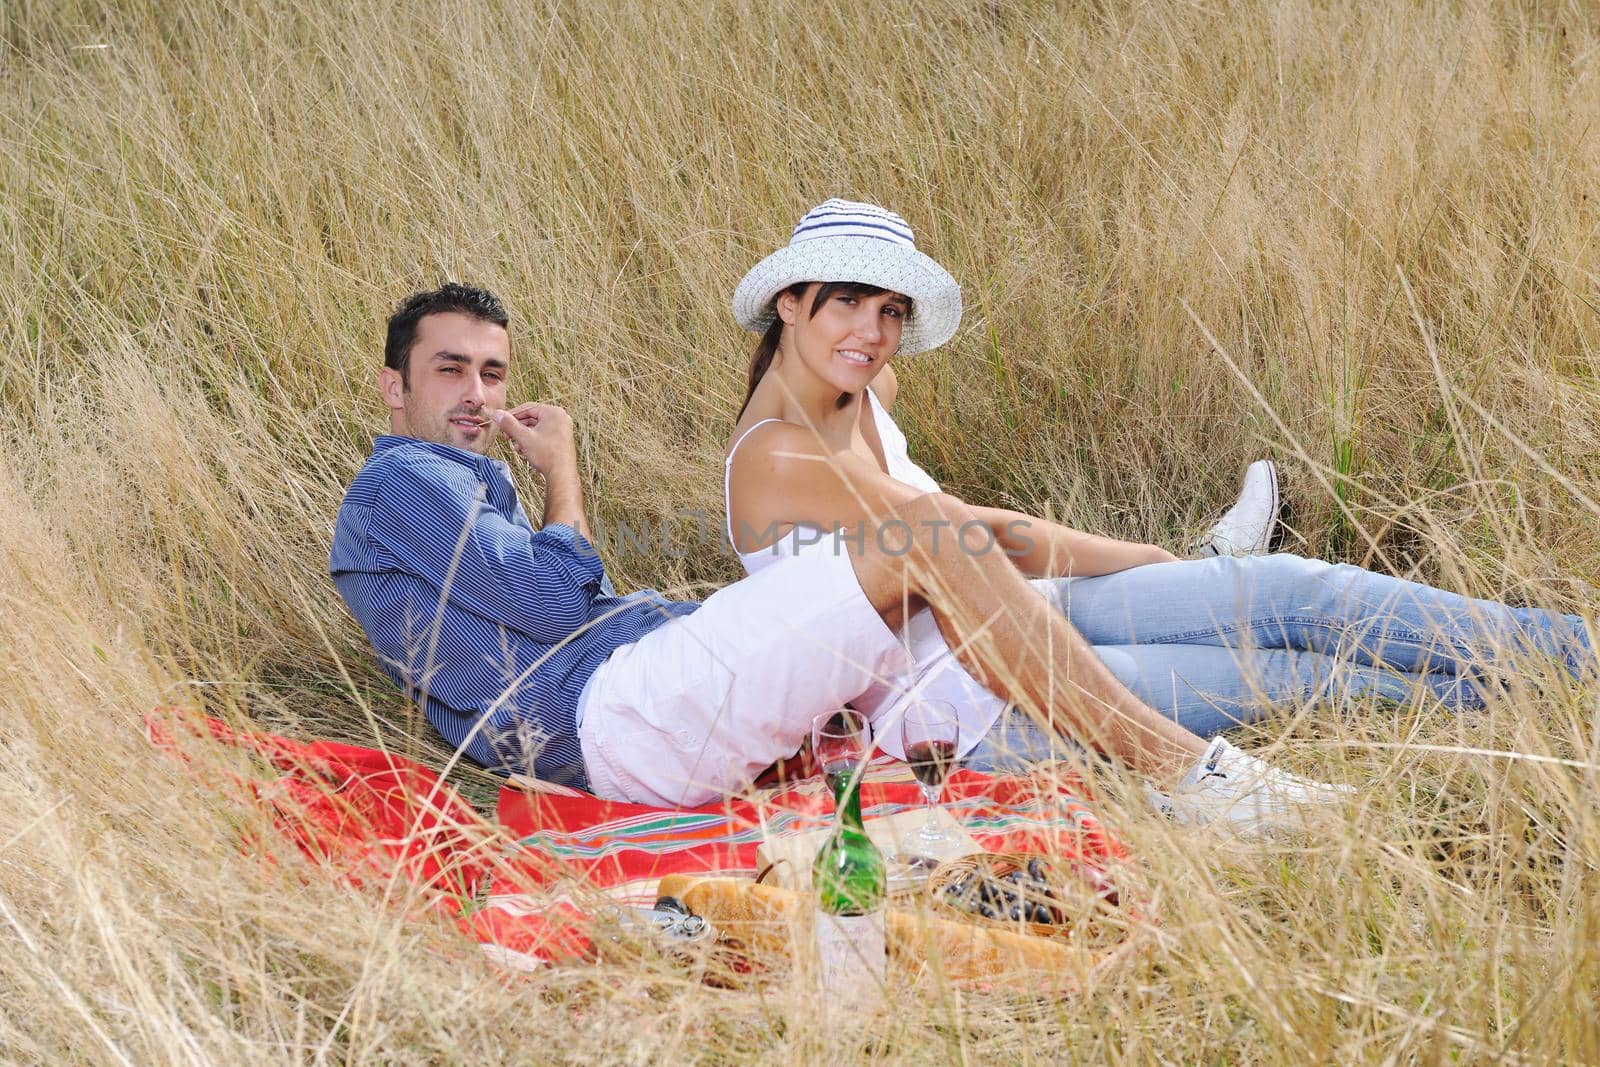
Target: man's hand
540, 434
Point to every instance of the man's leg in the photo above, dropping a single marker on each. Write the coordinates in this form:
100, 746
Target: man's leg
1207, 689
1026, 652
699, 706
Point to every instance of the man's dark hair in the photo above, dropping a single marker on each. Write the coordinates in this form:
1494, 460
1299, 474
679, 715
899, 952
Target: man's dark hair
468, 300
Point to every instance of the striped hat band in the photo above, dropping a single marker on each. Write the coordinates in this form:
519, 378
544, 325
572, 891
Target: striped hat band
841, 218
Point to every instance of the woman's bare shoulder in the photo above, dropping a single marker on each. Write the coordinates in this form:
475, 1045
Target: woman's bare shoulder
758, 435
774, 449
776, 469
784, 460
886, 387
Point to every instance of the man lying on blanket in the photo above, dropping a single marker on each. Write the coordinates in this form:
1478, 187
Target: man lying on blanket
522, 654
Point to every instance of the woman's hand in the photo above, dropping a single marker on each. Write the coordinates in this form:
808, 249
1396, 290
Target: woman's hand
785, 475
1159, 555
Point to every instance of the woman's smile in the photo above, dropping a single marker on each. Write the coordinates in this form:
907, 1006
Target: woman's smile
858, 333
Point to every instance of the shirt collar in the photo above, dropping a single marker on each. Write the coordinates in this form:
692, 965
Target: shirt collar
484, 467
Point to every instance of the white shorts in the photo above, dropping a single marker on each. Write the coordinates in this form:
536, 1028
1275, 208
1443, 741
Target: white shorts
934, 674
700, 706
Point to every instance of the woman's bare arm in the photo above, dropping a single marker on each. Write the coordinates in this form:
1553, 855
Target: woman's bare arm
1040, 548
1044, 549
783, 475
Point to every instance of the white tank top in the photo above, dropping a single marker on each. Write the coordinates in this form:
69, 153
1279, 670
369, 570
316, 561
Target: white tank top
936, 672
802, 536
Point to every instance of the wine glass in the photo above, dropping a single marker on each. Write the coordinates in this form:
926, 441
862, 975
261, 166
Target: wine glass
930, 731
841, 741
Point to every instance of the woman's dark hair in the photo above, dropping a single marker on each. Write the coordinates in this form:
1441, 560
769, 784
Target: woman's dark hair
402, 333
767, 347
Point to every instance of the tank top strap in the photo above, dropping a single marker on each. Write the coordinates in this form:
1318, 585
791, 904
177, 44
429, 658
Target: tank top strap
727, 479
888, 429
896, 451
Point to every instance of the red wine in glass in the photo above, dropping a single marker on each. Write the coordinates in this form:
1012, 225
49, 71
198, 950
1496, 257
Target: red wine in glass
930, 735
931, 761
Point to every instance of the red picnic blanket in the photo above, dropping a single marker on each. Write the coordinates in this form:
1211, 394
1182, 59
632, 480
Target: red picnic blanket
370, 816
628, 848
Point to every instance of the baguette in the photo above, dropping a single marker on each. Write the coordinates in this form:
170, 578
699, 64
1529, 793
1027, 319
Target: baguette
764, 918
760, 917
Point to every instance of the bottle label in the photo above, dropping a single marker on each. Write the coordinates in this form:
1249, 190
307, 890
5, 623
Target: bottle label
852, 956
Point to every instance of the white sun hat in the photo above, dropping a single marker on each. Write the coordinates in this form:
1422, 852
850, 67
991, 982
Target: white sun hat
843, 241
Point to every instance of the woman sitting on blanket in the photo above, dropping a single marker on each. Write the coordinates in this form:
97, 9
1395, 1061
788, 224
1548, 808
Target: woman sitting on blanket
1211, 642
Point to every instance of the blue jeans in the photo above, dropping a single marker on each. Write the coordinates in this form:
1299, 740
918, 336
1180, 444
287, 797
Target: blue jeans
1214, 643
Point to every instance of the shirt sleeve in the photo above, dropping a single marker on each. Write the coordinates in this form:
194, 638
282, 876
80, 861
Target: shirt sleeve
434, 520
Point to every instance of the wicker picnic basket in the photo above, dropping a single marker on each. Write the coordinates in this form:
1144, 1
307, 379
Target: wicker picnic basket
1080, 895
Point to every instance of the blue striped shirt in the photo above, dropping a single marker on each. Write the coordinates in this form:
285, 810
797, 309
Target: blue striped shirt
473, 613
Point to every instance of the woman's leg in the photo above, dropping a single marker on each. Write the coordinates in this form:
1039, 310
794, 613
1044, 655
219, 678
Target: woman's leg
1289, 602
1178, 661
1209, 689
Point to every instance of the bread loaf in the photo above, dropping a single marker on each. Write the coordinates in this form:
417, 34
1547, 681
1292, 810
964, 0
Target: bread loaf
763, 918
760, 917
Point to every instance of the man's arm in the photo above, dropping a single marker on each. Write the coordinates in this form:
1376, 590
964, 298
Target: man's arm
542, 435
432, 518
563, 498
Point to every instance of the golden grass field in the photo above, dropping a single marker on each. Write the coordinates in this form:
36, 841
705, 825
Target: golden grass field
1386, 215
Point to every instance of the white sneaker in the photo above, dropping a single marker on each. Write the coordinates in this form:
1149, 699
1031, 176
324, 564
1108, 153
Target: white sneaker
1245, 793
1247, 527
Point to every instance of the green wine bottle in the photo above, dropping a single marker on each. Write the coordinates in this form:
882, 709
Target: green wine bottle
850, 881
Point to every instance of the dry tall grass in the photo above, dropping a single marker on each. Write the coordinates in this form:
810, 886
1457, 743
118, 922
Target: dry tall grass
1386, 214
